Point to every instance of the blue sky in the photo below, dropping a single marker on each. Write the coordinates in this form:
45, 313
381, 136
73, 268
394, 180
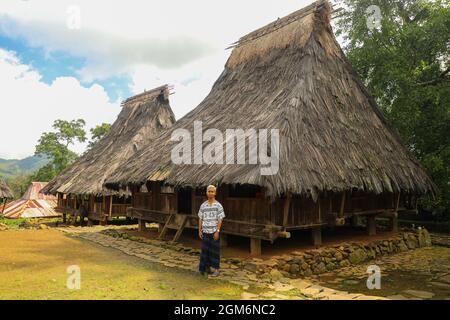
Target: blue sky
62, 64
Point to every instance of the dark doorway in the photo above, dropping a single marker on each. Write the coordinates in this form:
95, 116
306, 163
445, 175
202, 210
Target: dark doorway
185, 200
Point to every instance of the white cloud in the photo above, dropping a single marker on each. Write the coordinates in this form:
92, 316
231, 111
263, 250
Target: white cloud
29, 106
116, 36
154, 42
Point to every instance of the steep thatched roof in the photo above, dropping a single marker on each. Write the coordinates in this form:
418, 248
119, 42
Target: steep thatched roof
293, 76
5, 191
142, 118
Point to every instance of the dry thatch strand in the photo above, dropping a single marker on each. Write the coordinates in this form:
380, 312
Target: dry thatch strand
5, 191
293, 76
142, 118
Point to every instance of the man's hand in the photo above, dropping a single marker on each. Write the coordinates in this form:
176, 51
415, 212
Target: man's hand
216, 235
200, 234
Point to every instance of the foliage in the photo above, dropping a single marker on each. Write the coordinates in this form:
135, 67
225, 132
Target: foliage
405, 63
55, 146
98, 133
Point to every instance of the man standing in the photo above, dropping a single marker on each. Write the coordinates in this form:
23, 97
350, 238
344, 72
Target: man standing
210, 216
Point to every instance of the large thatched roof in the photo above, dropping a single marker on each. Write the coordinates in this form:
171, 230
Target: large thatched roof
292, 75
142, 118
5, 191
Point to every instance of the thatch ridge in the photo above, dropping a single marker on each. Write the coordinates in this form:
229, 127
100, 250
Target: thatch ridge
333, 135
142, 118
5, 191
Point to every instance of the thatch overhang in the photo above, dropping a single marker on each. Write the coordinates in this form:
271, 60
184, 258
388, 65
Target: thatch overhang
5, 191
141, 119
293, 76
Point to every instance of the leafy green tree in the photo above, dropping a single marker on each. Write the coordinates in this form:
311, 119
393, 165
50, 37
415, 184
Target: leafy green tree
405, 63
98, 133
19, 183
55, 145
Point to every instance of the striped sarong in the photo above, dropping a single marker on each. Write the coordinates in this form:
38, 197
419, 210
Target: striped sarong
210, 255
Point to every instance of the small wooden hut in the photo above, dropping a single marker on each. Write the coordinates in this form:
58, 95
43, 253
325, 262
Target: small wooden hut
142, 118
339, 159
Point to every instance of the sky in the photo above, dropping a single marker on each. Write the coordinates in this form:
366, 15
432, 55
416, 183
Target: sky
79, 59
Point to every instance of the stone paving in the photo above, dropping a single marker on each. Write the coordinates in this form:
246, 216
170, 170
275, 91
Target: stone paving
417, 274
170, 255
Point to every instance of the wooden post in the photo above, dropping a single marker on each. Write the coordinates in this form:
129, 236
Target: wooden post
110, 205
371, 225
255, 247
316, 236
287, 205
341, 211
141, 225
394, 222
355, 221
223, 241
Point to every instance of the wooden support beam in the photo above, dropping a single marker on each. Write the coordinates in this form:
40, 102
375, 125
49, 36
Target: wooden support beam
287, 205
255, 247
223, 241
180, 229
110, 205
166, 226
141, 225
316, 236
341, 210
371, 226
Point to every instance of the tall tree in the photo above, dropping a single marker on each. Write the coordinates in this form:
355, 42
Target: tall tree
55, 145
98, 133
401, 50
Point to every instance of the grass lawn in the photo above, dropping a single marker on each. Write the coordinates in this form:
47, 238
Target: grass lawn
33, 265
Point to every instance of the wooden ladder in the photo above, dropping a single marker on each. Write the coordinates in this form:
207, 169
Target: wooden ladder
172, 224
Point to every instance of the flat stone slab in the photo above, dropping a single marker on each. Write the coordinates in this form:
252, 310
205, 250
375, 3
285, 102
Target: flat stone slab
419, 294
397, 297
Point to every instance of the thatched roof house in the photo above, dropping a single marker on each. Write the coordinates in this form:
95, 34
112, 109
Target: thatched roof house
5, 191
338, 157
142, 118
293, 76
33, 204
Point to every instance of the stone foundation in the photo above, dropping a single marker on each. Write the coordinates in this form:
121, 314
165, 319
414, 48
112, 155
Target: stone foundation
306, 263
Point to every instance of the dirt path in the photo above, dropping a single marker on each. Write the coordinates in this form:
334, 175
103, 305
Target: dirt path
33, 265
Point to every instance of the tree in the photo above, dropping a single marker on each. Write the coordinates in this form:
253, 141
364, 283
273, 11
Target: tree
405, 63
55, 145
98, 133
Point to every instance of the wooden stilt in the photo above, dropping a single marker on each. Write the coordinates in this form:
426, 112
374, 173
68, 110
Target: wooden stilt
4, 205
355, 221
255, 247
371, 225
394, 223
64, 216
223, 241
316, 236
141, 225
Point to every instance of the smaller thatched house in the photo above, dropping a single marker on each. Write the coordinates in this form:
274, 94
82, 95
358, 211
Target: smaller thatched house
5, 193
338, 157
33, 204
142, 118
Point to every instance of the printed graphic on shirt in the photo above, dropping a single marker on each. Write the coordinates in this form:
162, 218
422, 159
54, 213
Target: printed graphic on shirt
210, 215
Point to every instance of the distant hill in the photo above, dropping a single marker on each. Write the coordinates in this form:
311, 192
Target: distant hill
9, 168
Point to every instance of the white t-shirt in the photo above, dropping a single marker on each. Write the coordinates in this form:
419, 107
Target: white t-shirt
210, 215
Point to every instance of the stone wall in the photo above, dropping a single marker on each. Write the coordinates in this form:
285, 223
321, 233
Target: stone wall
305, 263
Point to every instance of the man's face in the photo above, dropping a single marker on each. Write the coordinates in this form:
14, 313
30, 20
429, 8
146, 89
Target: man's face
211, 193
